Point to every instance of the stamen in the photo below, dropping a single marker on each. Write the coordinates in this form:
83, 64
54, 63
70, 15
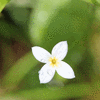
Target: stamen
53, 61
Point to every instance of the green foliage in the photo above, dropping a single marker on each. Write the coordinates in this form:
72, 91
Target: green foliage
45, 24
19, 70
3, 3
71, 91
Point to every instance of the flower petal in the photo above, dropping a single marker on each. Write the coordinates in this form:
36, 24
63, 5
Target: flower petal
41, 54
46, 73
60, 50
65, 70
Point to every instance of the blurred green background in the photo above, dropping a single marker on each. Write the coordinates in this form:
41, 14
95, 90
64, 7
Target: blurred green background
44, 23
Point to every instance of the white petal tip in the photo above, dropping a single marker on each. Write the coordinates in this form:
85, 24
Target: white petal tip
64, 41
74, 76
41, 82
71, 77
32, 47
40, 54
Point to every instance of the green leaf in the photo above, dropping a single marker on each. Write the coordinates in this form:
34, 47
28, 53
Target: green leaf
90, 1
41, 17
69, 91
96, 2
3, 3
56, 21
19, 70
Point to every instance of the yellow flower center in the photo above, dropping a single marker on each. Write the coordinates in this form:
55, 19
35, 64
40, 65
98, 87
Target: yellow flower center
53, 61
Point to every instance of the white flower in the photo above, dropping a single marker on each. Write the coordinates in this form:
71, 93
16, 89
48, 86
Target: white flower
53, 62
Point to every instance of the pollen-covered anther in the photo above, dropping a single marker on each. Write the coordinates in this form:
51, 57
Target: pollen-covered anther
53, 61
